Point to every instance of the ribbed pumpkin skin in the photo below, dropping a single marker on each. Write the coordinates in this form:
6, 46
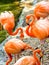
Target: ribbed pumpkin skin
40, 29
41, 9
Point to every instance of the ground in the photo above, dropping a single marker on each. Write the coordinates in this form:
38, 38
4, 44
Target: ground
34, 43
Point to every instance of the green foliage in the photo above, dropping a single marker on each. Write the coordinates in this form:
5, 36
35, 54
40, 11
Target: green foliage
14, 7
3, 35
8, 1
